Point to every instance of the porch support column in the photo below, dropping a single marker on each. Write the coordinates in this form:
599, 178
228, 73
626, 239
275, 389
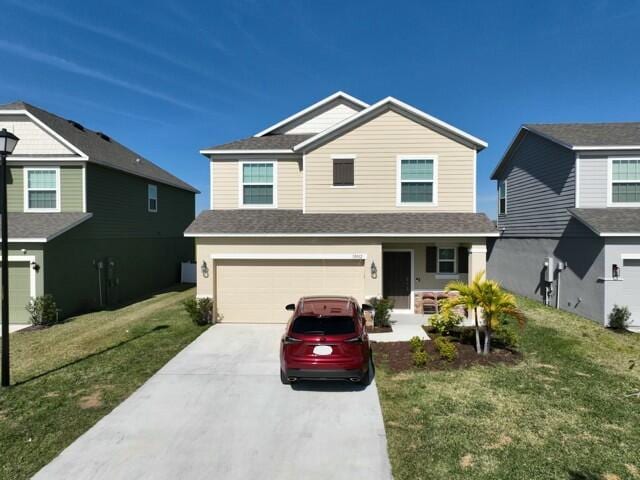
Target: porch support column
477, 259
477, 263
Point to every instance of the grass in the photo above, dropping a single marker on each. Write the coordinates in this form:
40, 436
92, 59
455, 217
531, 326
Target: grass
562, 413
69, 376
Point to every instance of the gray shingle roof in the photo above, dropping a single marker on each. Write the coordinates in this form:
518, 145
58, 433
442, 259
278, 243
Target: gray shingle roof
590, 134
609, 220
43, 225
268, 142
104, 151
280, 221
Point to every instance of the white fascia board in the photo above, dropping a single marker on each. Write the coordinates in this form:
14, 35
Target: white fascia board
26, 240
46, 128
288, 256
351, 235
240, 152
315, 106
401, 105
618, 234
605, 147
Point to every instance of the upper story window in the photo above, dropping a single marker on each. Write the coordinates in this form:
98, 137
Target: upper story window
343, 169
258, 184
42, 189
416, 180
446, 260
152, 198
625, 182
502, 197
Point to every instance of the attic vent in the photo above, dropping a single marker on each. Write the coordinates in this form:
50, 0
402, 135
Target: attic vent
104, 136
77, 125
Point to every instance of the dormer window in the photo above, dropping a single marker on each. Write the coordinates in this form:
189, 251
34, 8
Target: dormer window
42, 189
625, 182
257, 184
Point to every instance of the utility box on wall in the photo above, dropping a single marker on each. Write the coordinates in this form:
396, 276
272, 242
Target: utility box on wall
549, 270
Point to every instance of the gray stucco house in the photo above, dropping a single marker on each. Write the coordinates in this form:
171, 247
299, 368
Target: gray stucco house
569, 217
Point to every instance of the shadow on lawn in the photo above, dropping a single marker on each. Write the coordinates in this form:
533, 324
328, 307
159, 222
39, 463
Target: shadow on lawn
157, 328
574, 475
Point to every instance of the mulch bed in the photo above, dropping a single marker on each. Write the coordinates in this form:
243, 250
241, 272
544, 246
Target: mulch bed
397, 356
379, 329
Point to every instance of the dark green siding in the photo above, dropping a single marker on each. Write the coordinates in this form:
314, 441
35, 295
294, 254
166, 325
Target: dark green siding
145, 249
70, 188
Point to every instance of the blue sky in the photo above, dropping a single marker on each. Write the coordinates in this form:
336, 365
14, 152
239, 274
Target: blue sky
167, 78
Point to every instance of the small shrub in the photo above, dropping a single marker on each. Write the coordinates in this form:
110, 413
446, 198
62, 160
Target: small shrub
446, 348
468, 336
383, 307
43, 310
619, 317
200, 310
420, 358
506, 336
445, 322
416, 344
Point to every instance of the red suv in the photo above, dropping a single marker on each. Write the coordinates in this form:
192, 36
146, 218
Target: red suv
325, 339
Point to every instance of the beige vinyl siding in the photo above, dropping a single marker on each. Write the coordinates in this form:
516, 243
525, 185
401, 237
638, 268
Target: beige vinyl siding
70, 184
376, 145
33, 139
225, 183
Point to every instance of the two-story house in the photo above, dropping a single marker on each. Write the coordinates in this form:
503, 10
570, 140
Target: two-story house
90, 221
569, 217
341, 198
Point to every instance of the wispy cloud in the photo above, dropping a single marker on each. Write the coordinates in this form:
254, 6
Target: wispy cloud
72, 67
45, 11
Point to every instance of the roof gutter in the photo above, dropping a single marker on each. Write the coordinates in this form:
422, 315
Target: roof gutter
352, 235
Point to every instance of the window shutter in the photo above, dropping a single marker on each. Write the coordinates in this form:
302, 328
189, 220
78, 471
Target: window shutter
463, 260
432, 259
343, 171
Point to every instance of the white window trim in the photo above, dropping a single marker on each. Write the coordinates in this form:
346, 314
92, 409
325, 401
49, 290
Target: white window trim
426, 156
506, 206
26, 171
149, 198
347, 156
610, 181
274, 183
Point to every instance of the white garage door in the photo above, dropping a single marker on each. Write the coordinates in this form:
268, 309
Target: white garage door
631, 287
256, 291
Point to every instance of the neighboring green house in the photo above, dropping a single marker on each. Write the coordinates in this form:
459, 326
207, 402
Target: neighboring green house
90, 222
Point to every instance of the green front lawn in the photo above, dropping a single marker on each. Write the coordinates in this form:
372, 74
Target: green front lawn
561, 413
69, 376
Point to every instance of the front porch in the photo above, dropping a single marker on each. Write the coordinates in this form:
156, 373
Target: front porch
413, 271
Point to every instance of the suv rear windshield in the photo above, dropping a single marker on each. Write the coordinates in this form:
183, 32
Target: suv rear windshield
323, 325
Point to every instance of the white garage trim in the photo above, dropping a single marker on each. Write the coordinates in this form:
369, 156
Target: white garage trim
32, 273
288, 256
630, 256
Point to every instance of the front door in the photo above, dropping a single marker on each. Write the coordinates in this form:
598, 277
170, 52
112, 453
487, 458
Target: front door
396, 278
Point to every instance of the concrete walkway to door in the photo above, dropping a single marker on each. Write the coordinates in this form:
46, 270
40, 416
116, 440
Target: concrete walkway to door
219, 411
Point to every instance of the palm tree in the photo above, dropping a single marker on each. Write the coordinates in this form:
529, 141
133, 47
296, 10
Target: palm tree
496, 304
487, 296
468, 297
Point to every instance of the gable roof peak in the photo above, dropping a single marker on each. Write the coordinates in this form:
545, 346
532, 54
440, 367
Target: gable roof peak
319, 104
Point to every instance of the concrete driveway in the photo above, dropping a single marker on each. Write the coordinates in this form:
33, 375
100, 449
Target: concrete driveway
218, 411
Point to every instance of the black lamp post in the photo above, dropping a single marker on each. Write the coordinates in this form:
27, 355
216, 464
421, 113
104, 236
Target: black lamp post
8, 142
